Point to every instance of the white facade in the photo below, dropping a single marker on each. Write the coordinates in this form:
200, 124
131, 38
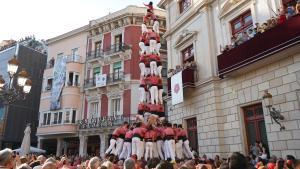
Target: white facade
218, 103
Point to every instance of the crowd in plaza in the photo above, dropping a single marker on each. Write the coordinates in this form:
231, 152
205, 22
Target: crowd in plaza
12, 160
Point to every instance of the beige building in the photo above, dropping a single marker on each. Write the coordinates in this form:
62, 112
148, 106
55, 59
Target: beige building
58, 130
223, 108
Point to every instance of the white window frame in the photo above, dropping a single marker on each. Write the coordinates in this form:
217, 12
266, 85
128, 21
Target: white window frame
75, 58
73, 82
96, 112
114, 110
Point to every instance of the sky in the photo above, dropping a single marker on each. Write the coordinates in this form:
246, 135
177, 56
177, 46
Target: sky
49, 18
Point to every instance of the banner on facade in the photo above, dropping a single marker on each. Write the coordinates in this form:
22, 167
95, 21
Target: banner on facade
101, 80
177, 89
59, 77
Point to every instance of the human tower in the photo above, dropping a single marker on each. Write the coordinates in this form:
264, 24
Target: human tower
150, 135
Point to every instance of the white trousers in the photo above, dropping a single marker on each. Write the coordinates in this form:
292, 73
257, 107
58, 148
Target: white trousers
142, 95
179, 154
144, 28
149, 150
137, 147
143, 69
147, 72
156, 26
158, 46
126, 151
119, 145
111, 148
143, 47
170, 151
159, 68
160, 97
153, 68
155, 152
154, 94
187, 151
160, 145
152, 43
148, 97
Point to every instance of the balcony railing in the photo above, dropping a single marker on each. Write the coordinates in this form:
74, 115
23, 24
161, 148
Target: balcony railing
102, 122
110, 80
74, 58
107, 51
188, 79
281, 37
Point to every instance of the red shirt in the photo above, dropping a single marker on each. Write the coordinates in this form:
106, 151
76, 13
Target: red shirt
182, 133
169, 132
140, 131
159, 132
154, 80
120, 131
152, 35
129, 134
150, 134
149, 7
157, 38
177, 132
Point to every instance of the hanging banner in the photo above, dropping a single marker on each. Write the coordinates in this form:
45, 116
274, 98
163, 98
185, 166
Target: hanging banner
177, 89
100, 80
59, 77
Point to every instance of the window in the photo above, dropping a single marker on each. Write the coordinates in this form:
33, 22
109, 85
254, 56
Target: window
118, 42
164, 71
117, 71
192, 133
73, 116
188, 54
48, 119
255, 125
183, 5
59, 117
97, 48
73, 79
67, 120
55, 118
116, 104
74, 55
49, 84
242, 23
45, 119
96, 71
94, 108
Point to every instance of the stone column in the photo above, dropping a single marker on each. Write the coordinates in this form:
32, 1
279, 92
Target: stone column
65, 145
59, 146
40, 144
82, 145
102, 144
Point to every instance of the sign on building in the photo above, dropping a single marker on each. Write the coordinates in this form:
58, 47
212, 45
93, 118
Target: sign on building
59, 77
101, 80
177, 89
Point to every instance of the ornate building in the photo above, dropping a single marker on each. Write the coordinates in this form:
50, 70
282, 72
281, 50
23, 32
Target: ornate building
223, 106
112, 75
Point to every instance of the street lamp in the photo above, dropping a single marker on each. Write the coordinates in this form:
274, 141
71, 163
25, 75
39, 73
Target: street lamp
275, 114
12, 92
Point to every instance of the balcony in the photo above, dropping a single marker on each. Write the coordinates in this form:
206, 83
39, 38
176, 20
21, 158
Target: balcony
113, 78
262, 46
107, 52
188, 79
74, 59
104, 122
63, 128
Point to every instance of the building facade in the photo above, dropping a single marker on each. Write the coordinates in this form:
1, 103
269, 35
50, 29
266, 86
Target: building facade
15, 117
58, 131
112, 75
223, 108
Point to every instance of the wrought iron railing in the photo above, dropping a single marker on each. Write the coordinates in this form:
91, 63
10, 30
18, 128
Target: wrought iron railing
107, 51
102, 122
111, 79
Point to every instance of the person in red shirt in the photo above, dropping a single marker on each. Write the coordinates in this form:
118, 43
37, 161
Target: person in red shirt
159, 140
186, 144
152, 41
150, 138
126, 152
116, 142
137, 140
150, 14
169, 136
153, 65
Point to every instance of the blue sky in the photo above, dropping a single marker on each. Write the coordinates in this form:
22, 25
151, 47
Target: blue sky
49, 18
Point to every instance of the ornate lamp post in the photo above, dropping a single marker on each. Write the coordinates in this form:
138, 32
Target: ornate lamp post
275, 114
11, 91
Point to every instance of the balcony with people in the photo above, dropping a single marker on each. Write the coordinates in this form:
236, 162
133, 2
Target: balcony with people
188, 69
261, 42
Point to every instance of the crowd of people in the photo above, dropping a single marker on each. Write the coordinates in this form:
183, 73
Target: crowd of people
283, 15
12, 160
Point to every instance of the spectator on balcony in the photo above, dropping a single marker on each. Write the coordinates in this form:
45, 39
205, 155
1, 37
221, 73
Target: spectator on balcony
178, 68
51, 62
233, 42
298, 7
239, 39
245, 36
170, 73
257, 28
290, 11
282, 16
251, 33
